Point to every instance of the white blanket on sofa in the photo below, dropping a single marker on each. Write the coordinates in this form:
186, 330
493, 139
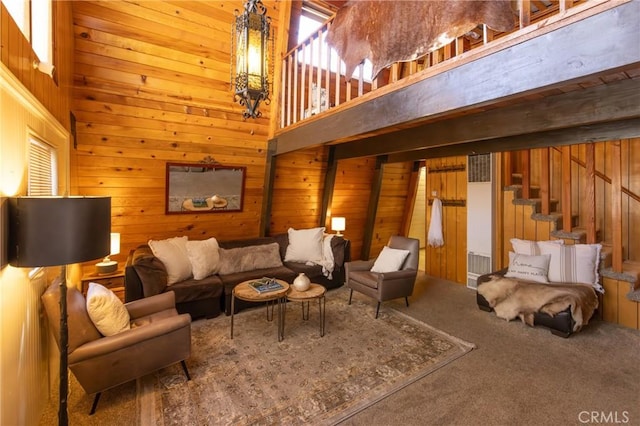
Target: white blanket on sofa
327, 261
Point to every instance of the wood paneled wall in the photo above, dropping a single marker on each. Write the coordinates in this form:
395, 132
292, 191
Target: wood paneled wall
390, 213
354, 179
17, 55
297, 190
450, 260
151, 85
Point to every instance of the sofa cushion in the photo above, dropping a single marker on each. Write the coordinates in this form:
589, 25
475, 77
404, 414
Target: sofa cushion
574, 263
232, 280
106, 311
305, 245
150, 269
173, 253
310, 271
249, 258
192, 289
389, 260
531, 268
204, 257
81, 328
530, 247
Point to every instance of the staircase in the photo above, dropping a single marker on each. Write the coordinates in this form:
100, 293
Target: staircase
621, 274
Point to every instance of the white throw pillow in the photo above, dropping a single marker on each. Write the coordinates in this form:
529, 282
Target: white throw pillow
529, 247
530, 268
574, 263
204, 257
172, 252
107, 312
305, 245
389, 260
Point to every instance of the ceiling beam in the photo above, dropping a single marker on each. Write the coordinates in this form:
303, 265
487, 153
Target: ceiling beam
612, 130
598, 104
585, 48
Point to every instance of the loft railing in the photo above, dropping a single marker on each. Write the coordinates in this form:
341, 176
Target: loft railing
313, 79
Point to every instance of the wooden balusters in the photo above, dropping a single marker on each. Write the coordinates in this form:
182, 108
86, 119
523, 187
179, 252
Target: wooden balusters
566, 189
589, 200
616, 205
545, 182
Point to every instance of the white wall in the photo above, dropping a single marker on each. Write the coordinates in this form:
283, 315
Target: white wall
24, 339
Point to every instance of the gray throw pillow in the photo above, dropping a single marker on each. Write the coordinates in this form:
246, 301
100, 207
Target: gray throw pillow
249, 258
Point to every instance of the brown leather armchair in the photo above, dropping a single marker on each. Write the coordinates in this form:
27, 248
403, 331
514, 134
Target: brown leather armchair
388, 285
158, 337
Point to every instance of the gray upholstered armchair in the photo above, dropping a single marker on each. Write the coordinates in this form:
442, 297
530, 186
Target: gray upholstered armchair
387, 285
158, 337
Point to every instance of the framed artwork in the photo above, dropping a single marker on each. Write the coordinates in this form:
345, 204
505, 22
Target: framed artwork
204, 188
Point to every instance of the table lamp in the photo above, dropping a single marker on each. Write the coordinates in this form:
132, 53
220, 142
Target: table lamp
108, 266
338, 224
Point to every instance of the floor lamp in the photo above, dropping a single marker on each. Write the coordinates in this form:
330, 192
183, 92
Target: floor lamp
57, 231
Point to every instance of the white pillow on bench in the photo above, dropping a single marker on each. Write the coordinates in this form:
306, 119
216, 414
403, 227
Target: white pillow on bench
573, 263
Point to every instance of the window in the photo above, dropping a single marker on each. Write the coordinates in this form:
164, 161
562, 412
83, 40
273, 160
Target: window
35, 20
310, 21
42, 169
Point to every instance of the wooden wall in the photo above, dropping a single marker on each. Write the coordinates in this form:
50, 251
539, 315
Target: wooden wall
17, 55
390, 214
354, 180
297, 190
151, 85
448, 261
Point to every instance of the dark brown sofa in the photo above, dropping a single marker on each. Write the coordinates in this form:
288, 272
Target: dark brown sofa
145, 275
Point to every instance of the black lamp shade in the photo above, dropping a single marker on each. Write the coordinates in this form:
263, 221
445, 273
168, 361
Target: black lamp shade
51, 231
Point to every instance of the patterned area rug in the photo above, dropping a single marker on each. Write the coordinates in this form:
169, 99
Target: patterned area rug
254, 379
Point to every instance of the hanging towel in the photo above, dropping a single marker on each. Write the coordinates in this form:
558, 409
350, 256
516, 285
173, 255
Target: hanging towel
435, 238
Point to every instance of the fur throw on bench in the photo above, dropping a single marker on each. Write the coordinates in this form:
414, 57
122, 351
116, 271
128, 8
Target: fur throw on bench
512, 299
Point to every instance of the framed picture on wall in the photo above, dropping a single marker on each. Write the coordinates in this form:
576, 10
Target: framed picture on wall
204, 188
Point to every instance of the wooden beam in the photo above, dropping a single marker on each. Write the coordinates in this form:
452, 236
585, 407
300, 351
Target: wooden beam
611, 102
269, 177
372, 209
411, 198
608, 131
329, 185
597, 53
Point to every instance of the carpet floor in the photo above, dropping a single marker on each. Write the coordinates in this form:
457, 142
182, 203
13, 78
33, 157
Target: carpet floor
254, 379
517, 375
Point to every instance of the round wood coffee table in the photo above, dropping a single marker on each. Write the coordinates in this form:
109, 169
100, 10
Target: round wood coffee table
315, 291
244, 291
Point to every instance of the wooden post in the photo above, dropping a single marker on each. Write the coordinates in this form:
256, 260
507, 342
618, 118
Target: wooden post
374, 198
414, 181
545, 181
526, 174
589, 199
525, 12
616, 204
566, 188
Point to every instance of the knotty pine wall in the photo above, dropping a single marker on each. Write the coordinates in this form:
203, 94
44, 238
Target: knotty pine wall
390, 213
450, 260
17, 55
297, 189
151, 85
